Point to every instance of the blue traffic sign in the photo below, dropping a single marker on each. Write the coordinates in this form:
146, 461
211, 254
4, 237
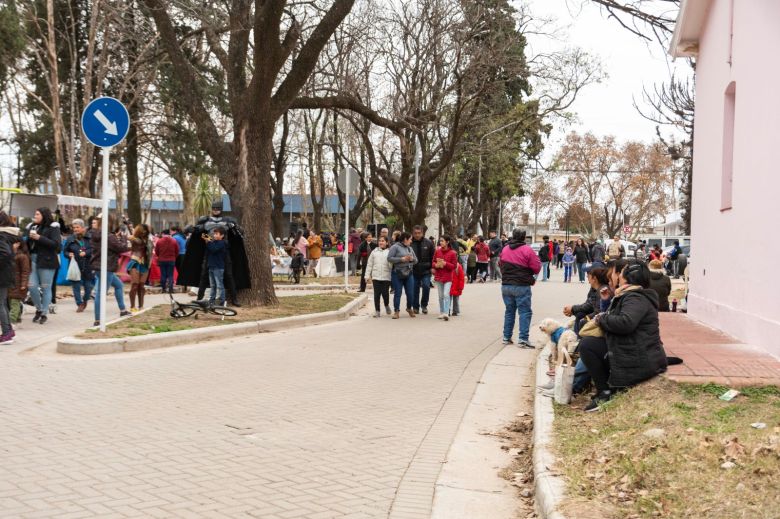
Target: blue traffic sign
105, 122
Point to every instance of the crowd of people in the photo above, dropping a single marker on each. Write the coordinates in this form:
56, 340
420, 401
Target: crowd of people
30, 263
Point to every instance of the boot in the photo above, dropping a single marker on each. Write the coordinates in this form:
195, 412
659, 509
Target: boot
396, 315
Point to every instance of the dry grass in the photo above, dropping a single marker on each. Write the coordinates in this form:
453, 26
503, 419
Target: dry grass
158, 320
310, 280
614, 470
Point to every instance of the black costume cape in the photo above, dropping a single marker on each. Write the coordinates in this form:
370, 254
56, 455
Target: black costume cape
196, 251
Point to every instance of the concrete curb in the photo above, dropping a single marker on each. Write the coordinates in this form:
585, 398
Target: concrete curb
74, 346
550, 487
317, 288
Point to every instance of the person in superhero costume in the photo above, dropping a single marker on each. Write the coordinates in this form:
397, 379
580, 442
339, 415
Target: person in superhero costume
194, 270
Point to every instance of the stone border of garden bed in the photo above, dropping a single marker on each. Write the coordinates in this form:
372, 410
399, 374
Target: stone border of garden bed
75, 346
550, 486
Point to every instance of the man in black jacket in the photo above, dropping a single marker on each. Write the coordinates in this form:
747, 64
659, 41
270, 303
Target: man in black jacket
423, 248
496, 245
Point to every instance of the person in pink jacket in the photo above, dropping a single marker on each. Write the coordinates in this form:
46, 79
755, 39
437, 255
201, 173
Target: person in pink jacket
519, 268
444, 261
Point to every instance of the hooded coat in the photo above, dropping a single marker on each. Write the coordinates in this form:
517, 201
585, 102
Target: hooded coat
661, 283
633, 336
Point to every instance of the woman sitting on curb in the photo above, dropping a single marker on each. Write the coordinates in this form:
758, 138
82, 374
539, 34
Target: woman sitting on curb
631, 350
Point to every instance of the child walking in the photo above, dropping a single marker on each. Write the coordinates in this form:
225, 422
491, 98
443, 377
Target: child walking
216, 248
297, 266
458, 282
568, 264
22, 268
378, 273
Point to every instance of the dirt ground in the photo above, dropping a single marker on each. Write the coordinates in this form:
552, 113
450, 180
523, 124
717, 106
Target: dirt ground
158, 319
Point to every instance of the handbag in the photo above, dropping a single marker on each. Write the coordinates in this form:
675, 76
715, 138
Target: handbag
74, 273
591, 329
564, 379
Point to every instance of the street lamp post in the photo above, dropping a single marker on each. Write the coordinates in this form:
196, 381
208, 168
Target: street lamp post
479, 167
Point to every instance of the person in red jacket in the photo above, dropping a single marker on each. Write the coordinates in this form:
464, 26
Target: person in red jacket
458, 283
167, 250
444, 261
483, 258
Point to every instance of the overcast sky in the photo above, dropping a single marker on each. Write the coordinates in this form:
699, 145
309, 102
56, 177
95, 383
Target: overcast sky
630, 63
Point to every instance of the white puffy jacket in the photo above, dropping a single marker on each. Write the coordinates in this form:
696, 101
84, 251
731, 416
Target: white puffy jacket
378, 268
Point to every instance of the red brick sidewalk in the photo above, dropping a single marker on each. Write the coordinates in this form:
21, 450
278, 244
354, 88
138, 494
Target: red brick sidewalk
712, 356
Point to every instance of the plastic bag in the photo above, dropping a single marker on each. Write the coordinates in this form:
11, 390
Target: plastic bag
74, 273
564, 379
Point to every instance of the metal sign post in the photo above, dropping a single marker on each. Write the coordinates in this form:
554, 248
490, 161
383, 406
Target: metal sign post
347, 182
105, 123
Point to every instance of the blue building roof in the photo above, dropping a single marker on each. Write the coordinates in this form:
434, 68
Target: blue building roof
292, 204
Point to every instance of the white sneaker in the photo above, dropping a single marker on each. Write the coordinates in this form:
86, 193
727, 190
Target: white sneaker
441, 316
377, 314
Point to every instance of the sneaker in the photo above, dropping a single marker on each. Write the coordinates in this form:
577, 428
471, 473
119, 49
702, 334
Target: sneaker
377, 314
598, 400
124, 313
81, 308
53, 308
455, 314
441, 316
387, 310
96, 324
446, 317
525, 344
38, 315
6, 339
133, 310
507, 341
411, 312
424, 310
43, 319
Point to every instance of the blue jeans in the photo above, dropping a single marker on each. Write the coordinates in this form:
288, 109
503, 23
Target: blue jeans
217, 283
422, 283
567, 267
444, 296
581, 271
77, 285
166, 275
402, 284
464, 261
581, 376
119, 292
545, 270
517, 300
40, 286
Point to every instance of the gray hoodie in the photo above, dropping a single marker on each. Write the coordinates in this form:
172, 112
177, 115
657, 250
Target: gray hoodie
395, 258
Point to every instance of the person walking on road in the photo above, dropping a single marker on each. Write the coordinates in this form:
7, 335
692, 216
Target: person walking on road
559, 248
519, 266
545, 256
444, 262
495, 245
403, 260
9, 234
22, 267
44, 241
674, 258
315, 245
378, 274
424, 250
581, 257
483, 258
353, 249
366, 248
458, 284
568, 264
117, 244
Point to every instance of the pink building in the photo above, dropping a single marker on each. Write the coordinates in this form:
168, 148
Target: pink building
735, 266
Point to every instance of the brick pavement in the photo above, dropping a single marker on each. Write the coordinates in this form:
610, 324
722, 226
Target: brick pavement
712, 356
338, 420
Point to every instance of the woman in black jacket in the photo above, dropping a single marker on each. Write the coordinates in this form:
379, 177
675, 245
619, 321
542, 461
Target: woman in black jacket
44, 241
581, 257
631, 350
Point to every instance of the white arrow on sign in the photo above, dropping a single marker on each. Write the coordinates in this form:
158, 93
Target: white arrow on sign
108, 125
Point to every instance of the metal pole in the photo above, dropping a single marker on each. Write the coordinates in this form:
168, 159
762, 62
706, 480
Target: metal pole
346, 232
479, 186
104, 242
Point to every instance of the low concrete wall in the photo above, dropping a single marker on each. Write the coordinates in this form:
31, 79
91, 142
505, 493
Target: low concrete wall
75, 346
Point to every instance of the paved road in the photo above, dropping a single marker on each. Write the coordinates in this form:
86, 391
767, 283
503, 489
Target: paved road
326, 421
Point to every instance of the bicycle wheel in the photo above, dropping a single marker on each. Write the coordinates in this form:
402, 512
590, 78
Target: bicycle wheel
182, 311
224, 311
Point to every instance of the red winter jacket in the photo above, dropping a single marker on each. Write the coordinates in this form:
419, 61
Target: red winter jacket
458, 281
483, 252
166, 249
444, 274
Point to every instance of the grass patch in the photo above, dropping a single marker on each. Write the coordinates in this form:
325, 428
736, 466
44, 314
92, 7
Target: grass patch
158, 320
614, 470
311, 280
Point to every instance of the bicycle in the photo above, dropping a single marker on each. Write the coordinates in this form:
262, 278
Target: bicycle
182, 310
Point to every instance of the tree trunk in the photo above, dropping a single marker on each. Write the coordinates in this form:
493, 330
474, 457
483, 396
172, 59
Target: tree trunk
131, 160
250, 201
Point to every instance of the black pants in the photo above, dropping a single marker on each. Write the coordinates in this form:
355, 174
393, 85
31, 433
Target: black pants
559, 261
472, 273
363, 265
230, 283
593, 352
381, 290
483, 270
179, 263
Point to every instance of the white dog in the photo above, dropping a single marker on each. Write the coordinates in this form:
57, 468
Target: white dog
558, 337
